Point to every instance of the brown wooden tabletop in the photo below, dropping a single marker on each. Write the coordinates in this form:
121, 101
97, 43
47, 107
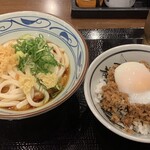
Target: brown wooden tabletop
62, 9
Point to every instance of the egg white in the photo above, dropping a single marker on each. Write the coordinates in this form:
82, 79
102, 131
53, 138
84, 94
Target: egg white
140, 98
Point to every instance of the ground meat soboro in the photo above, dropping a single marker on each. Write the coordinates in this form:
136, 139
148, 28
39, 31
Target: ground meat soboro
117, 105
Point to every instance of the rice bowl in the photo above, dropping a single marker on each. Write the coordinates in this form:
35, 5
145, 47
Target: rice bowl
95, 80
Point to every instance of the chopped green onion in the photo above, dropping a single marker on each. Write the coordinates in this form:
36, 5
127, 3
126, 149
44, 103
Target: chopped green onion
37, 54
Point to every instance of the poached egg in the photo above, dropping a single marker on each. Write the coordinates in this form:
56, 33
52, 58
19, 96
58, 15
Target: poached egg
133, 78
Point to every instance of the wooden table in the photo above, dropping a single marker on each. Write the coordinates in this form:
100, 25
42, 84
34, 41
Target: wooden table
83, 129
62, 9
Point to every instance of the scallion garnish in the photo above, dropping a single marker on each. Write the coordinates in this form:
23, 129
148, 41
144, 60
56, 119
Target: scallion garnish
36, 54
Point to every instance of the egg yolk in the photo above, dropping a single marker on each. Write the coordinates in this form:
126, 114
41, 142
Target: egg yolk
132, 77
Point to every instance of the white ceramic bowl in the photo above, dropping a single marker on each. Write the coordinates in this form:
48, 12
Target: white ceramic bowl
119, 54
119, 3
58, 31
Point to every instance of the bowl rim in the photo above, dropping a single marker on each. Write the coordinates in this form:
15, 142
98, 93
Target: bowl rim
87, 90
77, 85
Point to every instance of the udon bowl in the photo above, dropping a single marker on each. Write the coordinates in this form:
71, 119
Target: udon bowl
119, 54
16, 24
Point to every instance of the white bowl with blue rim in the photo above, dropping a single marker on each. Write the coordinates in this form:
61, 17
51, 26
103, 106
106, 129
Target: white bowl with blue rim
119, 54
14, 25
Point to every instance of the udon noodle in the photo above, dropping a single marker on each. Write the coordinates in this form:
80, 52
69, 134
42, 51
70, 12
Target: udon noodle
32, 72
